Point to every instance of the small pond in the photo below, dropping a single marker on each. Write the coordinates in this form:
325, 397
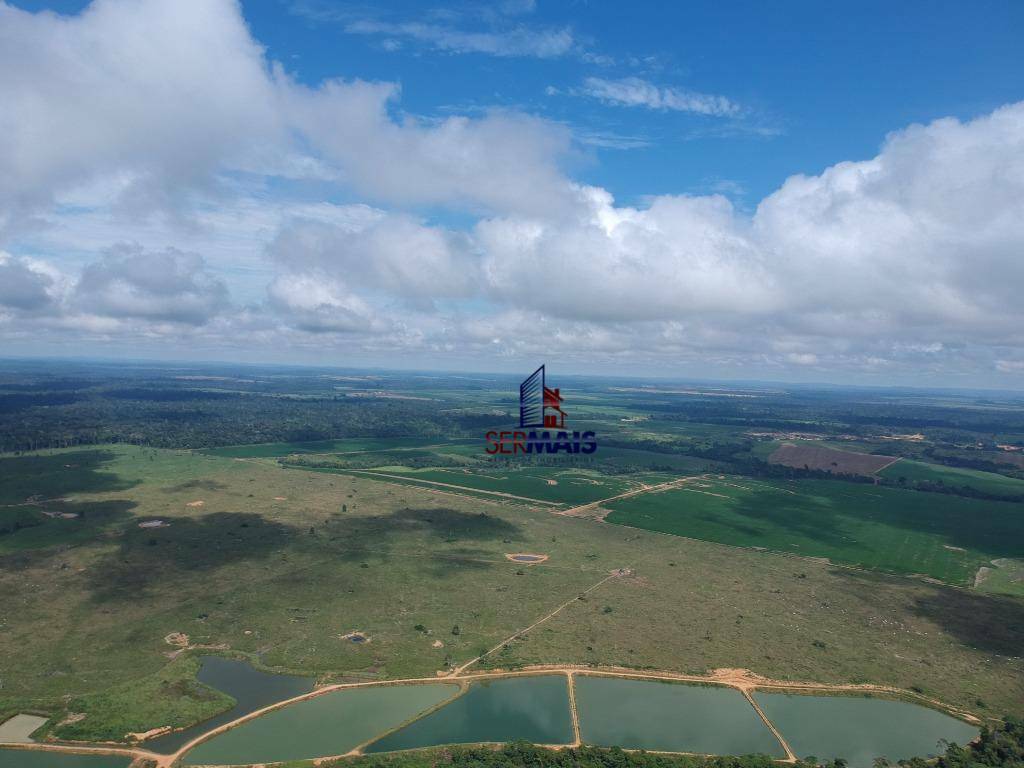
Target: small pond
670, 717
249, 687
330, 724
859, 729
631, 713
531, 708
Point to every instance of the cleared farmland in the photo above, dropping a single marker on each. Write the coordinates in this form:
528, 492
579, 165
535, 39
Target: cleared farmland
823, 458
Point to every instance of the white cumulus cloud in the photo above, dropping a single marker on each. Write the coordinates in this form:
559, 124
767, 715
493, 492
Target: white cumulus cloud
462, 235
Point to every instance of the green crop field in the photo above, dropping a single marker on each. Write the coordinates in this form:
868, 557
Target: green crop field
943, 536
954, 477
666, 462
347, 445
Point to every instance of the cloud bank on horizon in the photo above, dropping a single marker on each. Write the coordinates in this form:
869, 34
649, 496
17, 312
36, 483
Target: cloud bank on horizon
167, 188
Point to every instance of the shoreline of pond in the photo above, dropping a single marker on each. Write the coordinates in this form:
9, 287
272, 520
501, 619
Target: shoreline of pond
739, 680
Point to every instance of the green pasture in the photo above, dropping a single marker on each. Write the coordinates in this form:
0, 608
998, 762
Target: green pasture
954, 477
940, 535
1005, 577
346, 445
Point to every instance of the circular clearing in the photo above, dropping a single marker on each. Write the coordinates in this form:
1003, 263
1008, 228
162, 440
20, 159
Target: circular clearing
525, 557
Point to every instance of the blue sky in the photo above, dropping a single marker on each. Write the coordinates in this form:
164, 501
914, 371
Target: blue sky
795, 190
821, 81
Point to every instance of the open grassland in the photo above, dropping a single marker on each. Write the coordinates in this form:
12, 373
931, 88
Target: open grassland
1002, 576
913, 472
279, 564
132, 706
889, 529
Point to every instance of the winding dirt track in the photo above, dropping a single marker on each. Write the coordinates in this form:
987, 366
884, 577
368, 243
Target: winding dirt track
583, 509
460, 669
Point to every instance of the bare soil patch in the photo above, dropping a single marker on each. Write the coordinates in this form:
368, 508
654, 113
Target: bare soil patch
179, 639
150, 734
1013, 458
827, 459
981, 576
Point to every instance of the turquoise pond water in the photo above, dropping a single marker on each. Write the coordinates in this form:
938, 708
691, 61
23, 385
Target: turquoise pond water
249, 687
631, 713
670, 717
531, 708
859, 729
331, 724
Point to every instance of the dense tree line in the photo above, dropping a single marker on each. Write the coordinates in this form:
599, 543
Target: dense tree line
970, 462
522, 754
999, 746
45, 404
937, 486
200, 421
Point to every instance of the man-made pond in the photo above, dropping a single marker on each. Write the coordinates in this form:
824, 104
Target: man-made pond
531, 708
330, 724
250, 688
631, 713
670, 717
859, 729
523, 557
27, 758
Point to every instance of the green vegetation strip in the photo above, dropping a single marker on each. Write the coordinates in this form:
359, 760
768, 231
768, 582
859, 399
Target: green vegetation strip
943, 536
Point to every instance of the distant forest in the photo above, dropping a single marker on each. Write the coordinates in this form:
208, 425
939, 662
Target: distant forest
51, 405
